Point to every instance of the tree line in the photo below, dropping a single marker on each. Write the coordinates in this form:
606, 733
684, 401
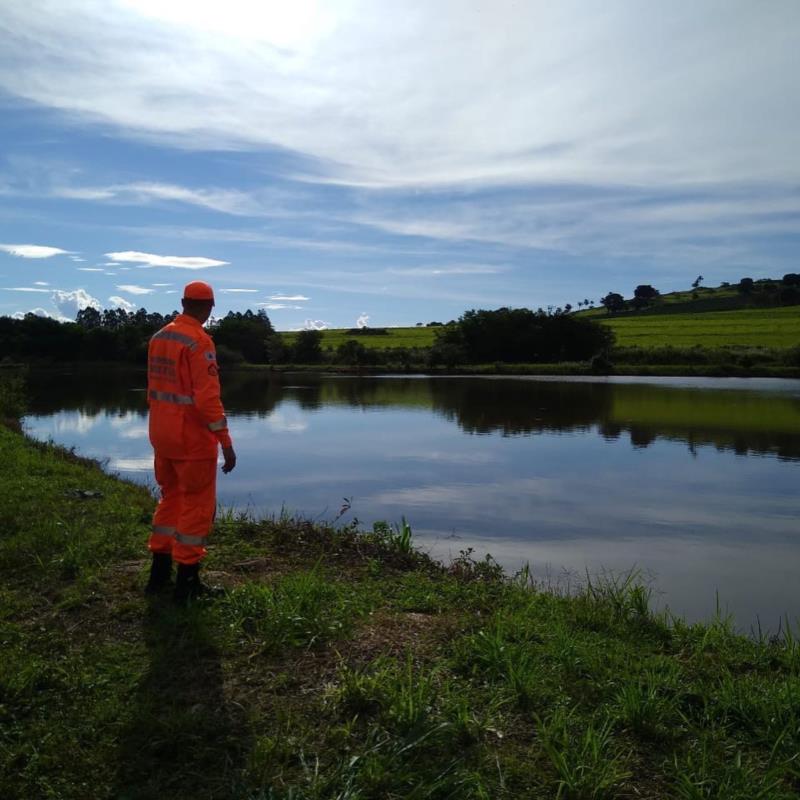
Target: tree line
506, 335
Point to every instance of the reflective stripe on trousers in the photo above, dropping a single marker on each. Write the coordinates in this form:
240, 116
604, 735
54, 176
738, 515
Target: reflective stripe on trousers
169, 397
195, 541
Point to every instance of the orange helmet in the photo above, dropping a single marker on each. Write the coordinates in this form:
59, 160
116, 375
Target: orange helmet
198, 290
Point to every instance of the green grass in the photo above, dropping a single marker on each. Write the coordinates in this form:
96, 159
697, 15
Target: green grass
755, 327
395, 337
344, 664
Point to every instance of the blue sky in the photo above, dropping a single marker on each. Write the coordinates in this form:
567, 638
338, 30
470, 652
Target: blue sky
400, 163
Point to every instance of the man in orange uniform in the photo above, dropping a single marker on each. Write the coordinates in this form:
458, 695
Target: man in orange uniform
187, 424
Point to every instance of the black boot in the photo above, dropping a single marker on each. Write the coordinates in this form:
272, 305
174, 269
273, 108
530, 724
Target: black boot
188, 585
160, 573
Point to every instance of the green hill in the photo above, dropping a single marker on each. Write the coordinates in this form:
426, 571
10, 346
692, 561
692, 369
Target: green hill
712, 317
766, 293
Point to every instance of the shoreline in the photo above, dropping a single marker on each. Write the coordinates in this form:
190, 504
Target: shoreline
511, 370
343, 660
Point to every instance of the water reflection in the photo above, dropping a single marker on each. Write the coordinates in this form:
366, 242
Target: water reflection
742, 420
574, 474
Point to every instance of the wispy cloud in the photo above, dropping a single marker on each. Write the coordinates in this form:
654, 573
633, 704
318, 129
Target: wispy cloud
277, 306
227, 201
32, 250
237, 291
41, 283
25, 289
131, 288
560, 92
90, 269
288, 297
153, 260
465, 269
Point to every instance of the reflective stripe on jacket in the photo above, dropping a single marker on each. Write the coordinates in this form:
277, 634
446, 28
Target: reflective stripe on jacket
187, 420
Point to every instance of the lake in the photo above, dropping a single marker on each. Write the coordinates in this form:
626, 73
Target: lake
692, 481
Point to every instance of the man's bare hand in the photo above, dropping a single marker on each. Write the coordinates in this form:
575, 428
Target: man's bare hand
230, 459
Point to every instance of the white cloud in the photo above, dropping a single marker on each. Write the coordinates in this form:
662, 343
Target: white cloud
533, 91
161, 284
315, 325
131, 288
41, 283
25, 289
91, 269
111, 264
121, 302
235, 291
362, 321
277, 306
288, 297
77, 258
70, 303
152, 260
32, 250
39, 312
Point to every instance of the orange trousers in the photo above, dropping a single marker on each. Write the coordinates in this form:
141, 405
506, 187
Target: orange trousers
185, 513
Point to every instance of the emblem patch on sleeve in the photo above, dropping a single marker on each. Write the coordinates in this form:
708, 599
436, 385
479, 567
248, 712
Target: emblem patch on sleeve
213, 371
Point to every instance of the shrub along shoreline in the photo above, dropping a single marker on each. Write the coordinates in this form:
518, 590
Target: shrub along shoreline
346, 664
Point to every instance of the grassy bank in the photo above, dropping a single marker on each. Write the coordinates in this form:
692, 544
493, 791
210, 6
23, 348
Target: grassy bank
343, 664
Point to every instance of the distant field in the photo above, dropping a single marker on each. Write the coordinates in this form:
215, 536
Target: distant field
396, 337
755, 327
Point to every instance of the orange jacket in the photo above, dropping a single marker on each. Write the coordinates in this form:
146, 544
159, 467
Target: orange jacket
187, 419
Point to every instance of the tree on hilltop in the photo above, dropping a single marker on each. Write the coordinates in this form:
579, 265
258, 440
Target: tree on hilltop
645, 292
745, 285
613, 302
